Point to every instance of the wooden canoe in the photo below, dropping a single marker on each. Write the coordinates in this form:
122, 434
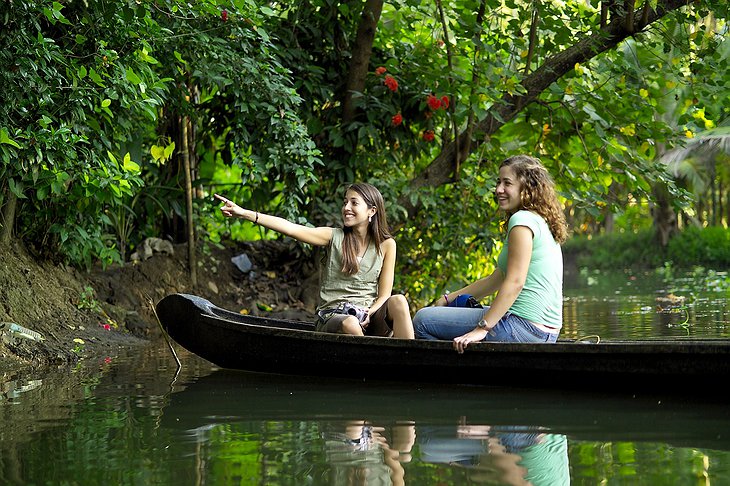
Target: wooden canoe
234, 341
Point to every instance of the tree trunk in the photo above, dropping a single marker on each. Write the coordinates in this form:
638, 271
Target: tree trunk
192, 262
361, 52
665, 219
8, 219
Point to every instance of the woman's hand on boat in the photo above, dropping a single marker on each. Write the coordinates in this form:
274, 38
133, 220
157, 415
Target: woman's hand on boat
473, 336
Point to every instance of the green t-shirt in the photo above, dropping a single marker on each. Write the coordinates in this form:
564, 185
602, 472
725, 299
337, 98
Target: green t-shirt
336, 287
541, 299
547, 461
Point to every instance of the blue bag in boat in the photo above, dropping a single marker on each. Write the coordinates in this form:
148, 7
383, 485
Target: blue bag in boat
465, 300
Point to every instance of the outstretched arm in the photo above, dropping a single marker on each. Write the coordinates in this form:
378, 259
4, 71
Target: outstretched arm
319, 236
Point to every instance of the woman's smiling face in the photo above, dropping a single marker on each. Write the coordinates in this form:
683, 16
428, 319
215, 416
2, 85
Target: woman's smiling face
354, 209
508, 190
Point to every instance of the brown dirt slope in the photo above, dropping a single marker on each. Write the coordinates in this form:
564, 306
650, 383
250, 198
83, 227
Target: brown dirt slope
112, 308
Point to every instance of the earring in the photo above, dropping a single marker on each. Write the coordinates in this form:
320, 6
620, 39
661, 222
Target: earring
370, 219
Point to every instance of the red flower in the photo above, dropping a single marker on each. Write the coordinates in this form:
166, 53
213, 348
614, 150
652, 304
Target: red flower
224, 15
390, 82
428, 135
445, 101
433, 102
380, 70
397, 119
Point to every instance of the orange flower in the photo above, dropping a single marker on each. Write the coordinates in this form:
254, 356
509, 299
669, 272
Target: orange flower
380, 70
390, 82
397, 119
433, 102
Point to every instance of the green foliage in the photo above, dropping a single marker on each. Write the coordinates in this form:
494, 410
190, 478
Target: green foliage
615, 251
707, 247
72, 89
84, 87
94, 95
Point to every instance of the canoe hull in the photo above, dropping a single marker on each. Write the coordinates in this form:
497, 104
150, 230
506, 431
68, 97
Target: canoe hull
234, 341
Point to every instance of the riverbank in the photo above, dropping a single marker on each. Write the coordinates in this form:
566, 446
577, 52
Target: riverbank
95, 315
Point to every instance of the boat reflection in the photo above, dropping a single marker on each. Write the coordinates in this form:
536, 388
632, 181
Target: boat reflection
498, 455
367, 454
350, 432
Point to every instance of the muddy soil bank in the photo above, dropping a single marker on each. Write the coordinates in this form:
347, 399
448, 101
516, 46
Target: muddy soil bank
93, 315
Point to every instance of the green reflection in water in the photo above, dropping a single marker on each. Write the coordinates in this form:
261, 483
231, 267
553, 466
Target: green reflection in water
651, 304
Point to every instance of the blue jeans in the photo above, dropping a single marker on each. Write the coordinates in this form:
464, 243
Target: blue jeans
446, 323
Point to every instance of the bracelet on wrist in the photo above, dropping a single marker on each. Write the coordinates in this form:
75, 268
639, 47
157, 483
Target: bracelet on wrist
446, 298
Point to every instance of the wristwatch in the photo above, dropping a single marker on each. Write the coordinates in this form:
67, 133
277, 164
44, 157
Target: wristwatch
483, 324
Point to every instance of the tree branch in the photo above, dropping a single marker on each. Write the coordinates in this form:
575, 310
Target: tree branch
554, 67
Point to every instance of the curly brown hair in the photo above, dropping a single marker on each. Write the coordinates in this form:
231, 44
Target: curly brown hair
538, 193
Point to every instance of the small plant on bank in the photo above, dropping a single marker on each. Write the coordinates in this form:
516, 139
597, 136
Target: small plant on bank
87, 300
79, 346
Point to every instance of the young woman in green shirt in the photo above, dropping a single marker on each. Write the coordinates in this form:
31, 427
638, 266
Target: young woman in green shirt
528, 280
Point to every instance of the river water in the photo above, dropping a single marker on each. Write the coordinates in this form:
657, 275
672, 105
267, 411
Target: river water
138, 419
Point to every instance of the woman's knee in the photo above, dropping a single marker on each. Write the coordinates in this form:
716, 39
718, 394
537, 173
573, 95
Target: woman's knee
418, 323
421, 315
398, 303
351, 325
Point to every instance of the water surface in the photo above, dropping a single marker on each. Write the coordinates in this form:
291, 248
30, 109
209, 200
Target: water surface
136, 419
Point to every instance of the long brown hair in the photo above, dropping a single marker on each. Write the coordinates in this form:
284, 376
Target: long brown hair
538, 193
378, 230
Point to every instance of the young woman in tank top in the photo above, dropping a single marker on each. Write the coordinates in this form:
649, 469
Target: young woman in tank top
357, 271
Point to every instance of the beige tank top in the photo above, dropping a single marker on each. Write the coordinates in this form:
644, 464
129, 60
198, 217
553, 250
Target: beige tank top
336, 287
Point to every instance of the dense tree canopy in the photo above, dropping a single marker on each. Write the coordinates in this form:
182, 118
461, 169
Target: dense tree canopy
108, 108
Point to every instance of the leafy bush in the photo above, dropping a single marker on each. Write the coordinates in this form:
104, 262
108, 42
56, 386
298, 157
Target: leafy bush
707, 247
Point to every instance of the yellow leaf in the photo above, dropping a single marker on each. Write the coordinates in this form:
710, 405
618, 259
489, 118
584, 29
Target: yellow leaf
157, 152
